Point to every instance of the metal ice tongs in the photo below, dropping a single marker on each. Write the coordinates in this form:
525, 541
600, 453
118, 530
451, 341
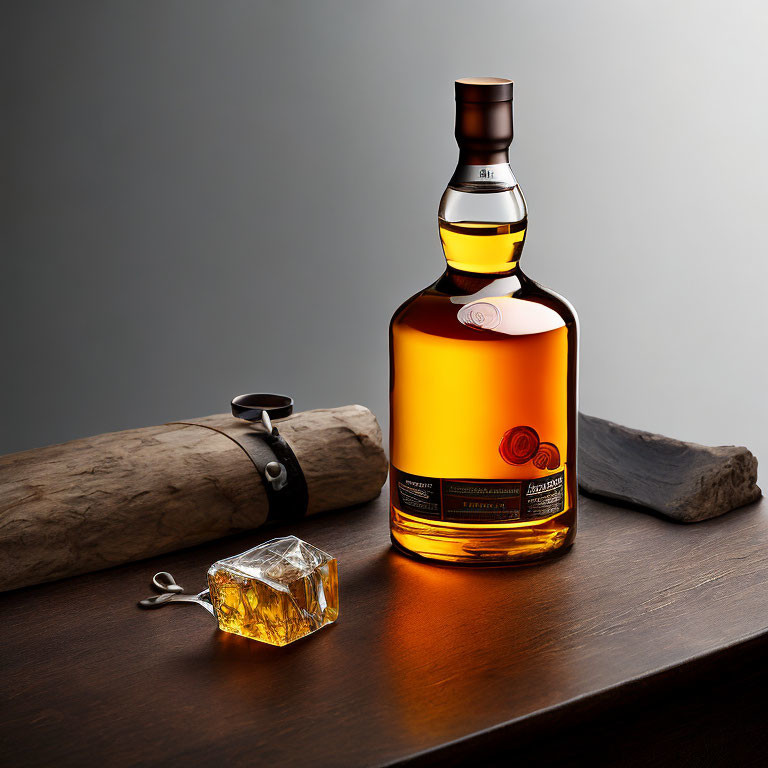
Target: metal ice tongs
171, 592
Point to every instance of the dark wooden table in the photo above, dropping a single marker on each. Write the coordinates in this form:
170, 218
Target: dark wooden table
643, 646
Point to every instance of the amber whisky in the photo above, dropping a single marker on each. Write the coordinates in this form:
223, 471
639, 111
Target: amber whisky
483, 372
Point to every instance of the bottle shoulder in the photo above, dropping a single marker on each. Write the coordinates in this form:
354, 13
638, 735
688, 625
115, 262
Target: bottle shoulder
459, 305
555, 301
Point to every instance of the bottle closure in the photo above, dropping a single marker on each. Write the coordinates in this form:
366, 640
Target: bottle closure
484, 127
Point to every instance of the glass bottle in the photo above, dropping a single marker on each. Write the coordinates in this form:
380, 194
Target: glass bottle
483, 373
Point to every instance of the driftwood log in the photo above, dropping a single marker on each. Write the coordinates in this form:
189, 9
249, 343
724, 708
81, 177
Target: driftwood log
685, 482
106, 500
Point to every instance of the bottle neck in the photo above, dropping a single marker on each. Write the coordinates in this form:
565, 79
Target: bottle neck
483, 177
482, 156
483, 219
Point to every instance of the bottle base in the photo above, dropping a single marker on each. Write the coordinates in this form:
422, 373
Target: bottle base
502, 545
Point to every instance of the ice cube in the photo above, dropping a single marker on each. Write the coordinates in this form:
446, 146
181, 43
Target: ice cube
277, 592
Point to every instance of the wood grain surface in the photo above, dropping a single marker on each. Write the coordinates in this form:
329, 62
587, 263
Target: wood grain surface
643, 632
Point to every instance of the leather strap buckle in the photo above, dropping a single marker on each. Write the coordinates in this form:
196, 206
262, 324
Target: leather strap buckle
273, 458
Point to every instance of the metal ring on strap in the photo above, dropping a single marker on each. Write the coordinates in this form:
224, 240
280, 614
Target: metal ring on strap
275, 461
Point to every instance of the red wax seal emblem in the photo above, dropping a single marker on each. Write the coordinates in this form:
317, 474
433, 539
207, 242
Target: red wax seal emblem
547, 457
519, 445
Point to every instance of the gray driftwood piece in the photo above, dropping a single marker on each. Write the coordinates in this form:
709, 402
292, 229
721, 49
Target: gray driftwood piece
109, 499
686, 482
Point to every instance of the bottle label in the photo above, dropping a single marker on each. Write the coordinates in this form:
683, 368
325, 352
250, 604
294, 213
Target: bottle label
478, 501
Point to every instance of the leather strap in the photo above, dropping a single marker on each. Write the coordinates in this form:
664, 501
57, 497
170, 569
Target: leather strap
287, 502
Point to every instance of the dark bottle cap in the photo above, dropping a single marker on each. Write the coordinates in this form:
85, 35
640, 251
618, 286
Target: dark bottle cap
483, 120
481, 90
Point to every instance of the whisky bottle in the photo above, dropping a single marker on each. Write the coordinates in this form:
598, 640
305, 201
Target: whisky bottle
483, 372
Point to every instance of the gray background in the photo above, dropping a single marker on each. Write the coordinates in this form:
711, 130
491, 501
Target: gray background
206, 198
